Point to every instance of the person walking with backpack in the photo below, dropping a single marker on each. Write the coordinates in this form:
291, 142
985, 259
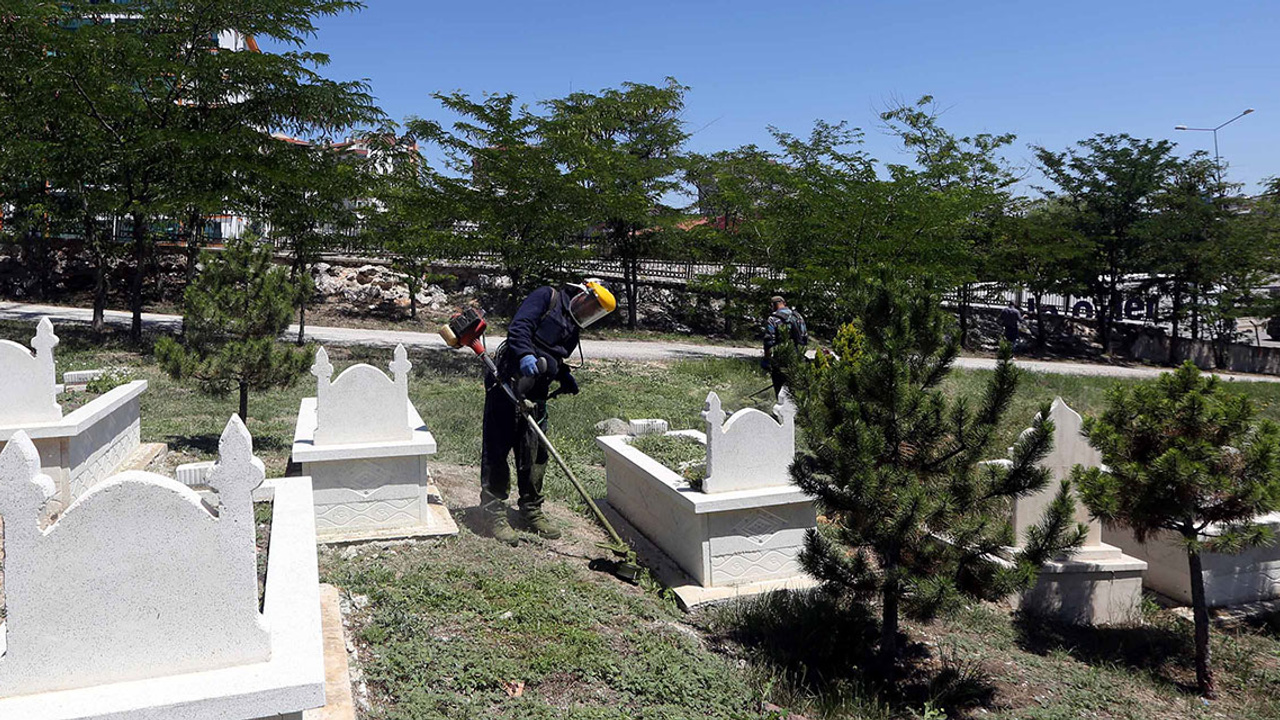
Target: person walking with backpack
783, 323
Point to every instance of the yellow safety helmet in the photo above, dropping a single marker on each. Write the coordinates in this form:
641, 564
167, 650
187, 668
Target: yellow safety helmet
594, 302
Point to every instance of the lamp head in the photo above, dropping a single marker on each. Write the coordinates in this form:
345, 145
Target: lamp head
1179, 127
1246, 112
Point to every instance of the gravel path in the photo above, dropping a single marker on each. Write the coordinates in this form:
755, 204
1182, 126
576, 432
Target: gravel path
640, 350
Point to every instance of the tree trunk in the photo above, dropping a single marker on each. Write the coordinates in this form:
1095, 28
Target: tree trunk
44, 263
195, 240
888, 655
1040, 339
244, 402
1195, 313
631, 274
1112, 300
296, 269
1174, 345
140, 232
965, 289
1204, 674
94, 244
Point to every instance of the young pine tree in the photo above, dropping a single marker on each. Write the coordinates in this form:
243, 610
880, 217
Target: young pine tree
233, 316
1182, 455
896, 466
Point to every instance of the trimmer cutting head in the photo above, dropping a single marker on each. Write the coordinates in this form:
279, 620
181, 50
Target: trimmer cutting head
466, 329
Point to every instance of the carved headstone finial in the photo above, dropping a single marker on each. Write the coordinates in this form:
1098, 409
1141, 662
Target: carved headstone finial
322, 368
237, 473
44, 342
713, 413
400, 366
23, 488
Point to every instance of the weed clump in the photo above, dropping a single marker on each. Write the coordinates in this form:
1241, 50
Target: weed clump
683, 454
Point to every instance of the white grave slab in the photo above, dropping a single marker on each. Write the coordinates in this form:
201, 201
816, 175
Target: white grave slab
1098, 584
365, 447
80, 449
141, 601
743, 530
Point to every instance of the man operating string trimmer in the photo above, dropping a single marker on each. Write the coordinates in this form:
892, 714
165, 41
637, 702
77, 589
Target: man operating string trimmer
542, 337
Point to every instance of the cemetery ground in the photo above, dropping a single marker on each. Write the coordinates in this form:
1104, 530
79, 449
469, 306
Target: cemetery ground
467, 627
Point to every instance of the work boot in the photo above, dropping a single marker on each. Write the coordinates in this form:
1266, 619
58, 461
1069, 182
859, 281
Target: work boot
500, 528
538, 522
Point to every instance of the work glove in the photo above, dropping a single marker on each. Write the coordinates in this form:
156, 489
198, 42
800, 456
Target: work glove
528, 366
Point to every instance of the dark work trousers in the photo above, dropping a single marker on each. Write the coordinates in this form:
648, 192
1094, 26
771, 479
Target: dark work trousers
504, 431
779, 378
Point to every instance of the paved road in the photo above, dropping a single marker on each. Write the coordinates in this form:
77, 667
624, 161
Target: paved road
646, 350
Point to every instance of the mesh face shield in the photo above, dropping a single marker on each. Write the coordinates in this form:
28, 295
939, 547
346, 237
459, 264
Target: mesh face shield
586, 308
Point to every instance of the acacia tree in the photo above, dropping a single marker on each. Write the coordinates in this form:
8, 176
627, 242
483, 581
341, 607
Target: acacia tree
969, 195
1038, 251
1183, 455
233, 316
823, 213
416, 224
1108, 182
161, 92
895, 464
504, 178
622, 147
51, 160
312, 197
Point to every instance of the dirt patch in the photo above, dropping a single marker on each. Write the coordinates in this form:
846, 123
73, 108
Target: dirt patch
460, 487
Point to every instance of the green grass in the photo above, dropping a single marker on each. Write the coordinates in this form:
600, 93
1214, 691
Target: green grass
671, 450
451, 628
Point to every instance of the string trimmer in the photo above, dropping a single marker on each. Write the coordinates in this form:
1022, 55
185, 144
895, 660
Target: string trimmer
466, 330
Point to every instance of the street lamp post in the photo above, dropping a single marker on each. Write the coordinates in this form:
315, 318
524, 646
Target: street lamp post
1217, 159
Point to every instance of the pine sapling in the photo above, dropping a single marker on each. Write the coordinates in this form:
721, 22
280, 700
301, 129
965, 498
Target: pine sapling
1183, 455
896, 465
233, 315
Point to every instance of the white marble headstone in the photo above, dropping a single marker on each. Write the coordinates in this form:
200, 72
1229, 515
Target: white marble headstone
749, 450
1070, 448
137, 579
28, 383
362, 405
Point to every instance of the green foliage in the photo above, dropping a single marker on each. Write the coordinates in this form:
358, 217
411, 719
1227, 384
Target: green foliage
233, 316
150, 107
110, 379
414, 223
1106, 184
507, 183
1184, 455
894, 463
621, 148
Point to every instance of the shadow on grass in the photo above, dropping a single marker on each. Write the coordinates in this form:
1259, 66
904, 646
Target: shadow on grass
207, 443
824, 650
76, 337
1160, 650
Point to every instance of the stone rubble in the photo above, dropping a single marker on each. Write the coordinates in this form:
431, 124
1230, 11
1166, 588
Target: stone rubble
371, 287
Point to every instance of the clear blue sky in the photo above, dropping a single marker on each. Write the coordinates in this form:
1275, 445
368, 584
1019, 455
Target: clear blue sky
1052, 72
